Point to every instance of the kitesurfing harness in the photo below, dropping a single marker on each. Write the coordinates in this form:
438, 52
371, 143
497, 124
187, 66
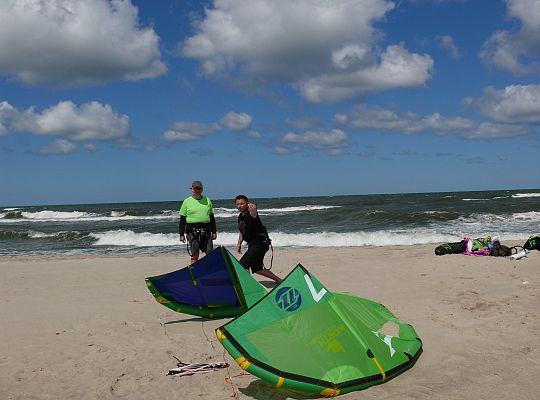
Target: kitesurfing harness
201, 235
201, 232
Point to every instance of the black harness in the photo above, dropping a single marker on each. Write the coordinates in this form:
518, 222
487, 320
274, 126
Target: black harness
200, 235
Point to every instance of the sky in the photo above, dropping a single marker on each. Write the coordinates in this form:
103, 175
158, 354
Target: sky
131, 100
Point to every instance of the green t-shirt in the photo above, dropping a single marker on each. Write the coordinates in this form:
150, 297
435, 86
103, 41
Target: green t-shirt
196, 211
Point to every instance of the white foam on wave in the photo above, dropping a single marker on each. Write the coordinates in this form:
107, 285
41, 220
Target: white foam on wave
475, 199
129, 238
285, 210
223, 212
40, 235
522, 195
80, 216
530, 216
358, 239
527, 216
382, 238
55, 215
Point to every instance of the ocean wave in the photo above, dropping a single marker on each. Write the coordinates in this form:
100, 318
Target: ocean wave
15, 214
80, 216
285, 210
530, 216
62, 236
526, 216
6, 235
320, 239
126, 237
56, 215
128, 241
122, 237
523, 195
223, 212
476, 199
514, 196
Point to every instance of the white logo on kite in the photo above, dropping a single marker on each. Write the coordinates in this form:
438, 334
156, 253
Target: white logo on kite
387, 341
317, 296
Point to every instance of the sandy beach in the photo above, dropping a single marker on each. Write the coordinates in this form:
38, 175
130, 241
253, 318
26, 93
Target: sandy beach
87, 328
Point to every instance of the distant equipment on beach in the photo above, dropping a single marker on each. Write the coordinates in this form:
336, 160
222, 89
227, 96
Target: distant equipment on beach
216, 286
303, 337
489, 246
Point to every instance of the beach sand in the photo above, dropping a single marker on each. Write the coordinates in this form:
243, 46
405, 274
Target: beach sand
87, 328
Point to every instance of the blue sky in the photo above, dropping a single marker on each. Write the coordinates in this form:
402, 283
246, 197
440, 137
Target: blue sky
119, 101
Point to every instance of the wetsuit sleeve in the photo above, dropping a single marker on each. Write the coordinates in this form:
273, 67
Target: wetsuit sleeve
182, 225
213, 223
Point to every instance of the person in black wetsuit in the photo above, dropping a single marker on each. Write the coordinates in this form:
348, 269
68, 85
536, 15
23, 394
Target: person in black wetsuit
253, 232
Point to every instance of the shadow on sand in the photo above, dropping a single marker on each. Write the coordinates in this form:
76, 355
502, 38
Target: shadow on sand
261, 390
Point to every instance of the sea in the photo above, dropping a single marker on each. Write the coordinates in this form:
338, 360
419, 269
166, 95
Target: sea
306, 222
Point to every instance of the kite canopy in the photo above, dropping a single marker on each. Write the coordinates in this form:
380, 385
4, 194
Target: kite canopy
303, 337
216, 286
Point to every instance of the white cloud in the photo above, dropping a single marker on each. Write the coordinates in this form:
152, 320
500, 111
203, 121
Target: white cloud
303, 122
363, 117
409, 123
332, 142
517, 52
7, 113
236, 121
90, 121
254, 135
447, 42
90, 147
76, 42
282, 151
60, 146
513, 104
397, 68
185, 131
326, 49
488, 130
189, 131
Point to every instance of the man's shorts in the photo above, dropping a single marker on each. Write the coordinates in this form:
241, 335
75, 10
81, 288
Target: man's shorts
200, 240
253, 258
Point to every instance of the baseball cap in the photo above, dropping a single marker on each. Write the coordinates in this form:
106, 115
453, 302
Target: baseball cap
195, 184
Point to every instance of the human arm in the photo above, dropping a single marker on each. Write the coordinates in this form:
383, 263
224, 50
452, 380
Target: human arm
239, 243
213, 227
182, 228
252, 208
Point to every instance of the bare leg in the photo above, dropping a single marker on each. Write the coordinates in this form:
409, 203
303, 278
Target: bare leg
195, 257
269, 274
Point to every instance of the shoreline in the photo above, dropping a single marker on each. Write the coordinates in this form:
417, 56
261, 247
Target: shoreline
181, 254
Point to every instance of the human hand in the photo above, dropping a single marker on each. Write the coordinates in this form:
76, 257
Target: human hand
239, 249
252, 209
214, 236
182, 238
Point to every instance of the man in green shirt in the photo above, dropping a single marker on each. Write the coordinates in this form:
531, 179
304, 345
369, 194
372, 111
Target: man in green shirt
197, 222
